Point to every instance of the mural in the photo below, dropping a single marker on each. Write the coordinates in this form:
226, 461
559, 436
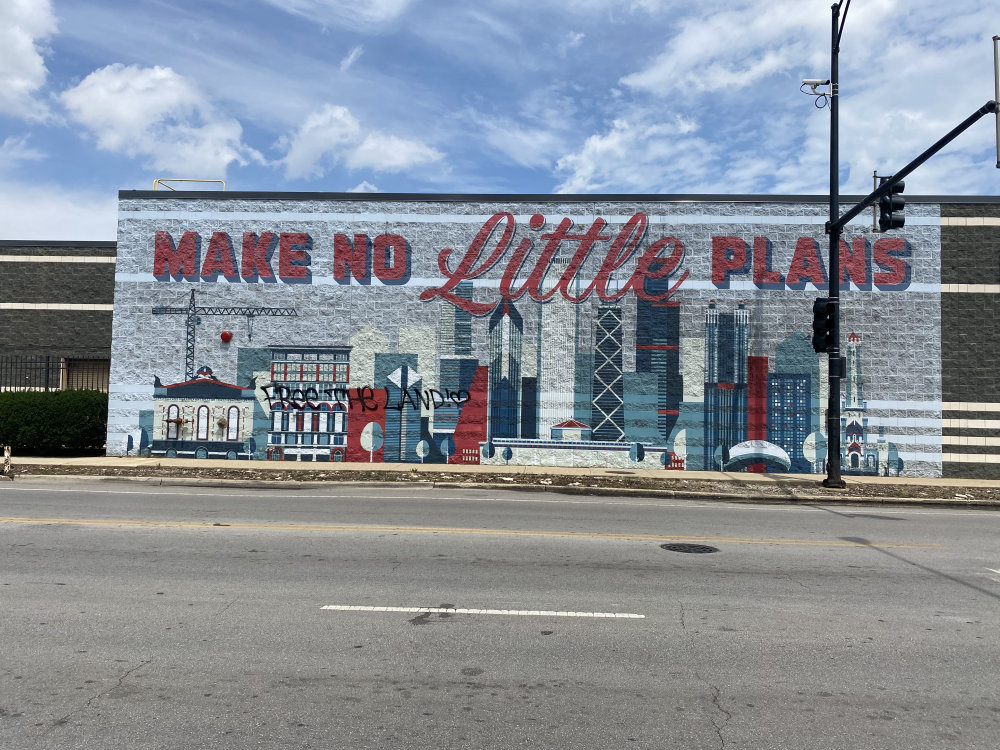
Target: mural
628, 336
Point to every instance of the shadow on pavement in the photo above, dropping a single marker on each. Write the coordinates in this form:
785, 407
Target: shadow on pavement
866, 543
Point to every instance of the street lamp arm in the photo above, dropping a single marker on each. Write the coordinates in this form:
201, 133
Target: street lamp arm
843, 18
886, 187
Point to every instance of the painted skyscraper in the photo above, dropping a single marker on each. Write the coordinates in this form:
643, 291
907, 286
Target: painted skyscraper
506, 332
397, 374
457, 367
657, 351
726, 350
789, 411
607, 402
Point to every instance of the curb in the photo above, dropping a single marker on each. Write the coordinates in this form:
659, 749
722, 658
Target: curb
749, 498
794, 498
257, 484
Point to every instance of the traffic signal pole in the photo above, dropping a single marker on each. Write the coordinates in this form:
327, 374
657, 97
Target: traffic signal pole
996, 83
833, 477
835, 225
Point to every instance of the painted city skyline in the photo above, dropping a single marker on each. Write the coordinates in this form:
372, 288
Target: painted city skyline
757, 413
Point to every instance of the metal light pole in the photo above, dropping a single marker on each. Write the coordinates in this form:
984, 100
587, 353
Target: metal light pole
833, 477
996, 82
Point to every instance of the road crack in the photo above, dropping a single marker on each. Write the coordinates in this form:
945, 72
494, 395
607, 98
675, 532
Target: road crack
716, 701
791, 579
90, 701
227, 607
722, 717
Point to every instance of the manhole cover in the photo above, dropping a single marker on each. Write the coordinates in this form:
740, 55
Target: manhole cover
698, 549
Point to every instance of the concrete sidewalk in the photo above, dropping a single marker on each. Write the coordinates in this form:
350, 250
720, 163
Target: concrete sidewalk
658, 482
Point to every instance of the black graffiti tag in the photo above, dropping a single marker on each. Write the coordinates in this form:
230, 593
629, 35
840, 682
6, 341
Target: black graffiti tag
364, 398
289, 398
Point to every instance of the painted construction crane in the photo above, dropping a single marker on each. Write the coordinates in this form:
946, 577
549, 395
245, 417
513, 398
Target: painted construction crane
193, 311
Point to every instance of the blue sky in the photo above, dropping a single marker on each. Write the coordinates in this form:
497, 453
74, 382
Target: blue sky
493, 96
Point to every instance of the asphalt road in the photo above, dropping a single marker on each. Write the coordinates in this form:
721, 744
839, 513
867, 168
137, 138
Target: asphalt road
139, 616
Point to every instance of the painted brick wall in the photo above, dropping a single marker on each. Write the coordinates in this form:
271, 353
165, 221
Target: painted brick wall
634, 332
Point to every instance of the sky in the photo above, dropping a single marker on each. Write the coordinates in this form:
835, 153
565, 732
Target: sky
478, 96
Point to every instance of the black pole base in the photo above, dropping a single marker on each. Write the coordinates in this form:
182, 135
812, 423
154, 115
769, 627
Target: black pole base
834, 484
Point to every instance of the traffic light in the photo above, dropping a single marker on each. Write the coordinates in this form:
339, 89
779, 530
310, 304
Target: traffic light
823, 311
890, 208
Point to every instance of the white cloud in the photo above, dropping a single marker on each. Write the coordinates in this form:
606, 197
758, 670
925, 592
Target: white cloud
364, 187
527, 146
319, 141
24, 24
47, 212
636, 156
13, 151
332, 134
535, 134
350, 13
159, 116
732, 49
389, 153
351, 58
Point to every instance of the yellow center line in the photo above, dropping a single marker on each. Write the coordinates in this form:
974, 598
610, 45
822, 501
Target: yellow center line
380, 529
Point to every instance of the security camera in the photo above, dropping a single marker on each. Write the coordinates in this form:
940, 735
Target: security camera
822, 98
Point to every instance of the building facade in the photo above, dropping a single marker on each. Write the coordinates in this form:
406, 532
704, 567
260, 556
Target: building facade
667, 331
55, 311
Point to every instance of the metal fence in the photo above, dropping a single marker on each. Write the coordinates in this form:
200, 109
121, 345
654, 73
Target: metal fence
52, 373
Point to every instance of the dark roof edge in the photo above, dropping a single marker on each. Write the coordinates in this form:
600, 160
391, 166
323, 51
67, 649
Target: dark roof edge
232, 195
58, 243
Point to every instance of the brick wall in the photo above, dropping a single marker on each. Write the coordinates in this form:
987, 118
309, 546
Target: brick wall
56, 298
970, 356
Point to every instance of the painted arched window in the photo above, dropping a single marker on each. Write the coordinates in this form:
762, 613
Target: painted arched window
233, 423
173, 428
203, 415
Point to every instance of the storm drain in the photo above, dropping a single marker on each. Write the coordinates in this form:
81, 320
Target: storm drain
694, 549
